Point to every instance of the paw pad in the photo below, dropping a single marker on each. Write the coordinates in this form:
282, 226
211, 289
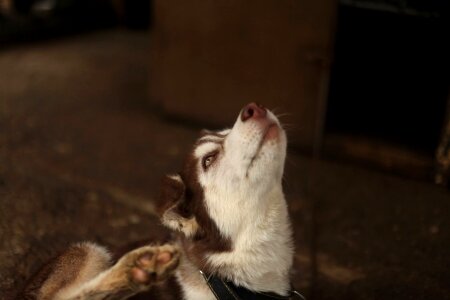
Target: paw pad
153, 264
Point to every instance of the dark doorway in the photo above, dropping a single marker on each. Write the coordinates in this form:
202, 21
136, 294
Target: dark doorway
390, 78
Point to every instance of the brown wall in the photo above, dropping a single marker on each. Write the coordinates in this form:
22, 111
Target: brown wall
209, 58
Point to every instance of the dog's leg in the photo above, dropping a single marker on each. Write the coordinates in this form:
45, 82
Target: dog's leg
76, 265
135, 272
84, 271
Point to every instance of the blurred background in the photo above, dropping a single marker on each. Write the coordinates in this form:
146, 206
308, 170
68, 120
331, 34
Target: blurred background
100, 98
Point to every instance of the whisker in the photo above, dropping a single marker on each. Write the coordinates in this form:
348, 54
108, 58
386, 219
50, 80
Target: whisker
274, 110
291, 127
289, 124
283, 114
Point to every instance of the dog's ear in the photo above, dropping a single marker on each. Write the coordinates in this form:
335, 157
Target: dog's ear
173, 209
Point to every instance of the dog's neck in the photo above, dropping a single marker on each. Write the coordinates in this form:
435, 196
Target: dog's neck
261, 254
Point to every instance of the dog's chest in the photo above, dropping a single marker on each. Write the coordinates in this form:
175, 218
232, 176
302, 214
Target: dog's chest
192, 283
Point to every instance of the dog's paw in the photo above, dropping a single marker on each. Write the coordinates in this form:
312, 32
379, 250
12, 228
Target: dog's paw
152, 264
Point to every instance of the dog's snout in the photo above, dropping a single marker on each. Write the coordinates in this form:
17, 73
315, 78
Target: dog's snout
253, 110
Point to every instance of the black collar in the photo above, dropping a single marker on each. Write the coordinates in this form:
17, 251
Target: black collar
226, 290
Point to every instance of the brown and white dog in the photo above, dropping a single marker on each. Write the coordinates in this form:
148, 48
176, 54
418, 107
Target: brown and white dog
230, 217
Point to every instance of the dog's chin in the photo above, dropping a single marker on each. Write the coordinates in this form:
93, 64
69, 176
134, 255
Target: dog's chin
272, 136
268, 160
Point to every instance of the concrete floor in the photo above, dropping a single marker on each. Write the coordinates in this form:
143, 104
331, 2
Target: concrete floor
82, 153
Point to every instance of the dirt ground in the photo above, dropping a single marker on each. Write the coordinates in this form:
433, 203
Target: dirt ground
82, 152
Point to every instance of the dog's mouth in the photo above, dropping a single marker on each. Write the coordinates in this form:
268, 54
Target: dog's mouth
270, 132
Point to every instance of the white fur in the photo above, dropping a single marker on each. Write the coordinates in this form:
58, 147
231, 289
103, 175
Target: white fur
205, 148
176, 177
97, 262
193, 284
244, 197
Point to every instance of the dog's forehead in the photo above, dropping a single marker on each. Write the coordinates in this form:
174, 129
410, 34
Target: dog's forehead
209, 141
211, 134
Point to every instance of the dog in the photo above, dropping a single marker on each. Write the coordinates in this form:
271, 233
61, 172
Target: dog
232, 232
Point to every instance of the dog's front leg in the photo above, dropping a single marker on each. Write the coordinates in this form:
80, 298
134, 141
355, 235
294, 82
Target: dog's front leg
135, 272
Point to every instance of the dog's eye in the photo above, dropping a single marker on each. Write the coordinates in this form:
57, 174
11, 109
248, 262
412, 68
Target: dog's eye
208, 160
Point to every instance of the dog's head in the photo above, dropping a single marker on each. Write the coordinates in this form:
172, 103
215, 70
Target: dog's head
228, 175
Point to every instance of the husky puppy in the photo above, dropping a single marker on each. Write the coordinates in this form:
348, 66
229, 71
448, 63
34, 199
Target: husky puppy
230, 219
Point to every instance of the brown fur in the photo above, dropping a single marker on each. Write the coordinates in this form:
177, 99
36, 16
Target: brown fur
49, 279
83, 272
188, 199
167, 290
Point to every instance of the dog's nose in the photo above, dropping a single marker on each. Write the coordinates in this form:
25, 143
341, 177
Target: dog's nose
253, 110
